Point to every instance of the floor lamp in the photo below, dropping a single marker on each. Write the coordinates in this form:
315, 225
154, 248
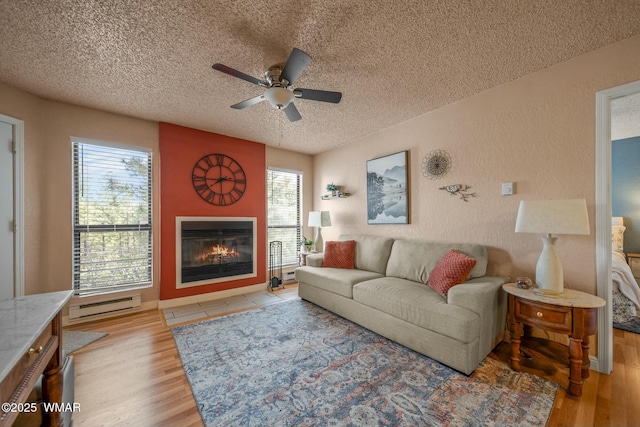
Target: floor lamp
552, 217
319, 219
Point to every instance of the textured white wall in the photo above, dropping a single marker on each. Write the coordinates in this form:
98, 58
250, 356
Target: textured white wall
298, 162
49, 126
26, 107
538, 131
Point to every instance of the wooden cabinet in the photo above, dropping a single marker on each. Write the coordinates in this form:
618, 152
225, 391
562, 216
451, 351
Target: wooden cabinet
572, 313
31, 335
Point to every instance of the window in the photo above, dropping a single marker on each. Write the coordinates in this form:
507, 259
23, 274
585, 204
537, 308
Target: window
284, 207
112, 247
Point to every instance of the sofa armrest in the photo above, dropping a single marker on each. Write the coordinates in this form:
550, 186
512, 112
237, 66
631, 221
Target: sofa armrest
315, 260
485, 297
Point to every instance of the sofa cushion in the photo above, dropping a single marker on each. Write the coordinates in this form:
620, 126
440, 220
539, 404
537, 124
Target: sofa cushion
420, 305
336, 280
315, 259
453, 269
339, 254
416, 259
372, 253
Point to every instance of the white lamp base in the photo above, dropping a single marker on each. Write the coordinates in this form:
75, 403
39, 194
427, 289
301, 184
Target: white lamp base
549, 274
318, 243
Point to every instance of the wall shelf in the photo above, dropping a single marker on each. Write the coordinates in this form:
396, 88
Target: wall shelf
340, 196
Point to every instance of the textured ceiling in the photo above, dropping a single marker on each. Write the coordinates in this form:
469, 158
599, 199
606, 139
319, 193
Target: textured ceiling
625, 117
391, 60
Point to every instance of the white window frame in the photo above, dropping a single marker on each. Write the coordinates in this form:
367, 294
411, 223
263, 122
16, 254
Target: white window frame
299, 226
79, 229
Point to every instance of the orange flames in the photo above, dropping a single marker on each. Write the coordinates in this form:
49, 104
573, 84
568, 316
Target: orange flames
221, 253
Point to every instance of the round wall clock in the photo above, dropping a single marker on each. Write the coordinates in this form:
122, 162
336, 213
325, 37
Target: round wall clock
219, 179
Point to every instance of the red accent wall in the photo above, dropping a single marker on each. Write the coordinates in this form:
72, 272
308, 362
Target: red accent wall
180, 149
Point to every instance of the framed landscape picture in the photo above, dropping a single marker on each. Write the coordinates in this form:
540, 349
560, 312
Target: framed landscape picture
387, 192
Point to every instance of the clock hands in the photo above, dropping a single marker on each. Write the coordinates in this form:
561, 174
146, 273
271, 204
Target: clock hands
220, 179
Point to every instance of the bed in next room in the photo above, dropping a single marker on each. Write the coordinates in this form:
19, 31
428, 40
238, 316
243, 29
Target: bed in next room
625, 289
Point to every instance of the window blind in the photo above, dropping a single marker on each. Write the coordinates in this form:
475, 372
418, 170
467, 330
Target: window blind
284, 207
112, 239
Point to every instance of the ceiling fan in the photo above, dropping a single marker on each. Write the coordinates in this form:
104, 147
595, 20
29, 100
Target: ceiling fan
277, 81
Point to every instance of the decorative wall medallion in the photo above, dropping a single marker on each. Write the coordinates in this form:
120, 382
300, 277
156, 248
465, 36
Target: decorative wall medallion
219, 179
436, 164
459, 189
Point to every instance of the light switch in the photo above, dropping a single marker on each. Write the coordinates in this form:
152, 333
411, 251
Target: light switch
507, 188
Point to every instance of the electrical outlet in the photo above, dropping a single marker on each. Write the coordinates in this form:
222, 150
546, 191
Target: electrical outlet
507, 188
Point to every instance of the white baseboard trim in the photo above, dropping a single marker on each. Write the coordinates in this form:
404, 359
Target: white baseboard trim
176, 302
148, 305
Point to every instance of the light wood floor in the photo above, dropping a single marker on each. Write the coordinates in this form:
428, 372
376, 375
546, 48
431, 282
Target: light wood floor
134, 377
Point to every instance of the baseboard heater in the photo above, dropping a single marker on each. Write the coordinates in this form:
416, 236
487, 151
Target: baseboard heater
79, 311
288, 274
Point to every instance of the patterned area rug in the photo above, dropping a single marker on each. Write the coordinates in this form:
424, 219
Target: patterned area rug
294, 363
632, 325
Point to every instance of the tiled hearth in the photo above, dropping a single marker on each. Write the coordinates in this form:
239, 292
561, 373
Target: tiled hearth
202, 310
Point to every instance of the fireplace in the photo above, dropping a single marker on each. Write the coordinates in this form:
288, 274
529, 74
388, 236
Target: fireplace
214, 249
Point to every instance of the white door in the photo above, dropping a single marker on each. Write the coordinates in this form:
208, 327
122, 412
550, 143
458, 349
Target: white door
7, 219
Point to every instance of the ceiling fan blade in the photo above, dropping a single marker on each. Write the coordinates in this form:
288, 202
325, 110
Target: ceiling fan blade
238, 74
248, 102
292, 113
318, 95
297, 62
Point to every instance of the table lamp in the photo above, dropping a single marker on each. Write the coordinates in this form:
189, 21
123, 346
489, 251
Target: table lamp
552, 217
319, 219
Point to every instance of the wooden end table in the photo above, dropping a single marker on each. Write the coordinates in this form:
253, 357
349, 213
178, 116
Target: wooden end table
303, 258
573, 313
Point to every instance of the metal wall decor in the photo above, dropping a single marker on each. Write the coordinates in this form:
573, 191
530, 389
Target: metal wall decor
461, 190
436, 164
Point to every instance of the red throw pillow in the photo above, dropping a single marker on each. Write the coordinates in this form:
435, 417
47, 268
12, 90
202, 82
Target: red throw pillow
453, 268
340, 254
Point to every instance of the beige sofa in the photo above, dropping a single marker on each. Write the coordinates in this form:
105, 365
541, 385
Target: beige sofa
387, 292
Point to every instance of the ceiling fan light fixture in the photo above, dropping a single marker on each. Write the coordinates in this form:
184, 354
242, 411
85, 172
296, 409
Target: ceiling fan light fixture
277, 85
279, 97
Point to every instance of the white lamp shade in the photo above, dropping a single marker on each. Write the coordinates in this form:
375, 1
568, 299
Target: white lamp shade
278, 97
567, 216
319, 219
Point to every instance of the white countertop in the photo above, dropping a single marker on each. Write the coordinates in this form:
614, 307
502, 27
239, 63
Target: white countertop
568, 298
22, 320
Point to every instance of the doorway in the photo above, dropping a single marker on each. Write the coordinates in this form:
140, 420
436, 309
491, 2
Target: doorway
603, 218
11, 207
